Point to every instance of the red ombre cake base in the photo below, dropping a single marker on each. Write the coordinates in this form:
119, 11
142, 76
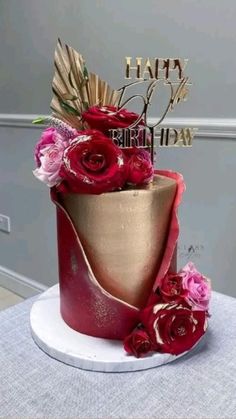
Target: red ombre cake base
85, 305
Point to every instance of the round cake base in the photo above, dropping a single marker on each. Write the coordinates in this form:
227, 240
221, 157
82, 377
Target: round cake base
58, 340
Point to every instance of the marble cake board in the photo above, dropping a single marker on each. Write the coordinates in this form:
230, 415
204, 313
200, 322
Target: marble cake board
59, 341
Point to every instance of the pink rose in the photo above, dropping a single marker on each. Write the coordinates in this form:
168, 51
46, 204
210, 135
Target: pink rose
51, 135
50, 160
48, 137
140, 167
197, 286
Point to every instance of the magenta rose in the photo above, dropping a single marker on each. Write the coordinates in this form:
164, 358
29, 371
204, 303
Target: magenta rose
197, 286
140, 167
171, 288
51, 135
173, 328
92, 164
138, 343
48, 137
49, 162
109, 117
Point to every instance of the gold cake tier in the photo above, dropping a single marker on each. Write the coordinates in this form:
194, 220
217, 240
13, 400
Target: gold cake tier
124, 234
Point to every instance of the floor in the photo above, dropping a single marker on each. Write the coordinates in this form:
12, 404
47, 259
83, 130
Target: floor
8, 298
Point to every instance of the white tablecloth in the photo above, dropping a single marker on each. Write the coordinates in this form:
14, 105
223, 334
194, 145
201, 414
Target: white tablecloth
199, 385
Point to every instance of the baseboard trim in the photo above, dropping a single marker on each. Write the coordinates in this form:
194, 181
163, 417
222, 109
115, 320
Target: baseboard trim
208, 128
19, 284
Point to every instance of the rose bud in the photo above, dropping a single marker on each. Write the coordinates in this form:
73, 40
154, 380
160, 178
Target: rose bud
171, 288
140, 168
138, 343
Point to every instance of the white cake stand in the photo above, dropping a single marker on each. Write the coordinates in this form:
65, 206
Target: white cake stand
58, 340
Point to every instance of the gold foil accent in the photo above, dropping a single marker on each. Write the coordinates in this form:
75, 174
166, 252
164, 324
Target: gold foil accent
123, 234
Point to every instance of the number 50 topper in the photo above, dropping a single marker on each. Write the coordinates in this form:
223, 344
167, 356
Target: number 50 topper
177, 94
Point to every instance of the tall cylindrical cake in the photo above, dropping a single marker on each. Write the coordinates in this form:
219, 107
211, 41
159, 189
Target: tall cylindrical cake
117, 221
123, 235
111, 248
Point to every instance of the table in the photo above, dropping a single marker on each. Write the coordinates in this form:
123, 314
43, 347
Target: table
202, 384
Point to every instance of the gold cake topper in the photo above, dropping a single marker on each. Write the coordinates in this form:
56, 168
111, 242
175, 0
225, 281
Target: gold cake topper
75, 90
155, 68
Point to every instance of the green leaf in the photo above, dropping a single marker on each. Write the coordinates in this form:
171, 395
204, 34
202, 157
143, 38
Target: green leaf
85, 105
85, 73
70, 80
39, 120
74, 98
82, 84
56, 94
69, 109
69, 96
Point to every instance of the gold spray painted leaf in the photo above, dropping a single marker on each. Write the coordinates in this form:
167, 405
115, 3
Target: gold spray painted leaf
75, 89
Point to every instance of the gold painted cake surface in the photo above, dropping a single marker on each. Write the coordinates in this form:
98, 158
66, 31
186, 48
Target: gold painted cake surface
124, 235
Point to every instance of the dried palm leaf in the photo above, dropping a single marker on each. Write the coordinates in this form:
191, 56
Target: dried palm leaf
74, 89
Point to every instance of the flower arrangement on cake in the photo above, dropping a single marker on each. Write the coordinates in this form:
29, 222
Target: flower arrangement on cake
117, 217
88, 161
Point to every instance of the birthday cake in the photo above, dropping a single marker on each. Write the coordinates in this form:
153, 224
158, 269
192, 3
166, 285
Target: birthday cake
116, 214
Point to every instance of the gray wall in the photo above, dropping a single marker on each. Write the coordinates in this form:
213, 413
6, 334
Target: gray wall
30, 248
105, 31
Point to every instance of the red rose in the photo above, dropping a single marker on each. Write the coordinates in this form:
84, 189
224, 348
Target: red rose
138, 343
140, 167
173, 328
92, 164
108, 117
171, 288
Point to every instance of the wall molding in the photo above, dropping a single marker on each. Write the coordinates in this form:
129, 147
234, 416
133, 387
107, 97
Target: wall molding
207, 127
19, 120
19, 284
